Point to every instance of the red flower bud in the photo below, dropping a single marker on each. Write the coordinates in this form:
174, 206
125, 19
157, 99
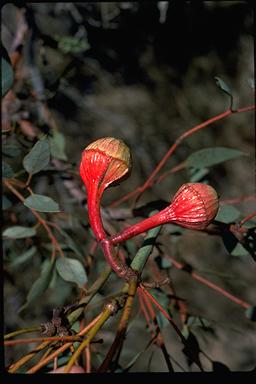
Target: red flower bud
104, 162
194, 206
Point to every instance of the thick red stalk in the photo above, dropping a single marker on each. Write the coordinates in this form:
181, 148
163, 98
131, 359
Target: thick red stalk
118, 266
159, 218
93, 204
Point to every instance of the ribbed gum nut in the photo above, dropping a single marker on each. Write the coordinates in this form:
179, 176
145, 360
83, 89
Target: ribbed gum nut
106, 161
194, 205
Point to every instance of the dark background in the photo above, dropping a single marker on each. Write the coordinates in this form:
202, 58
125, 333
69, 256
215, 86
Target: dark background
147, 78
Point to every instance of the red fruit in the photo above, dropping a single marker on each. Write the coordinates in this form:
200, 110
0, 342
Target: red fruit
194, 206
104, 162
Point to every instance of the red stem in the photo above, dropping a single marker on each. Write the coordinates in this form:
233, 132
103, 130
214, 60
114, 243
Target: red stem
159, 218
118, 266
247, 218
211, 285
93, 202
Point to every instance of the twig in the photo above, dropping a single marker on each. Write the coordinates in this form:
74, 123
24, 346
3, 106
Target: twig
38, 216
167, 316
23, 360
88, 359
42, 363
37, 339
107, 312
20, 332
247, 218
238, 200
122, 326
159, 337
209, 284
138, 191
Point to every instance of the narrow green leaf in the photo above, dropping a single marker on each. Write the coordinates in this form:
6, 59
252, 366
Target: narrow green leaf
40, 285
250, 313
165, 264
185, 331
71, 270
60, 290
196, 321
198, 175
6, 203
227, 214
72, 245
24, 257
7, 172
135, 358
41, 203
11, 150
211, 156
38, 158
163, 300
57, 146
223, 86
239, 251
19, 232
7, 75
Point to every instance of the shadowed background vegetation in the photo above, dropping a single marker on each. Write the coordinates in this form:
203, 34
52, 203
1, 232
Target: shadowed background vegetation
143, 72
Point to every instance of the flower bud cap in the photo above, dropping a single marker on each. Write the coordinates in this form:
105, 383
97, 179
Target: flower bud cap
194, 205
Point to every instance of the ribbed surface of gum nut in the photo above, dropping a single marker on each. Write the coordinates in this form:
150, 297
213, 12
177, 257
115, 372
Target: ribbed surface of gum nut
108, 160
195, 205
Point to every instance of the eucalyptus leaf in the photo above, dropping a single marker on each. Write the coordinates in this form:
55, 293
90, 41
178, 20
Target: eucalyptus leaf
7, 74
250, 313
6, 203
71, 244
227, 214
211, 156
11, 150
71, 270
19, 232
38, 158
23, 258
185, 331
198, 175
223, 86
57, 146
41, 203
7, 171
163, 300
165, 263
239, 251
40, 285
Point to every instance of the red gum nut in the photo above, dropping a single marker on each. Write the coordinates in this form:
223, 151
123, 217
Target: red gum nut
194, 206
104, 162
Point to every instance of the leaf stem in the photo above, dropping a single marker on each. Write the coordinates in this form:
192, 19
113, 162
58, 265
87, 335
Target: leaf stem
20, 332
38, 216
107, 312
122, 326
61, 349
